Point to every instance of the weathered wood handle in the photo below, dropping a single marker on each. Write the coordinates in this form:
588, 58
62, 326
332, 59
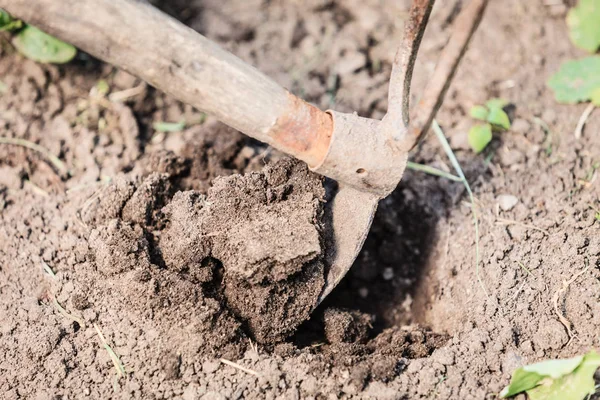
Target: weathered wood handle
142, 40
367, 154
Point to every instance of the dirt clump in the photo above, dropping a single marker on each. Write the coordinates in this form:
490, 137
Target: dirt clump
264, 228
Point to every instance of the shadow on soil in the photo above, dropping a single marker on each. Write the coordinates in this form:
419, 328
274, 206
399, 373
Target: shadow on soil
388, 273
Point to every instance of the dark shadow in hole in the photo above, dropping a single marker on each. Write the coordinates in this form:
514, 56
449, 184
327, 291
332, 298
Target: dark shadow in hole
394, 259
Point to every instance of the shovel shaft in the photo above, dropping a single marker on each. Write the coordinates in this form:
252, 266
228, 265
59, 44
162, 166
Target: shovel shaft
140, 39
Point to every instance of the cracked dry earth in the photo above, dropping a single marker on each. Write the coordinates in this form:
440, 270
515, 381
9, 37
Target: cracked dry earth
189, 247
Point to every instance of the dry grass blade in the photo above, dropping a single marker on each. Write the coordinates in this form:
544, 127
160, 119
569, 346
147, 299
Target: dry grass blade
504, 221
119, 367
563, 320
126, 94
36, 189
238, 366
432, 171
66, 314
58, 164
524, 268
583, 119
48, 270
446, 146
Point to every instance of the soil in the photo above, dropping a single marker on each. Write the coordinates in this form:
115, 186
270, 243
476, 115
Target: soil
187, 248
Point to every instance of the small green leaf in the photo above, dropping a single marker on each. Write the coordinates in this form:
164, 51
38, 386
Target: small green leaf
498, 117
8, 23
568, 379
576, 80
529, 376
554, 368
479, 137
41, 47
479, 112
169, 126
597, 216
573, 386
102, 87
584, 26
496, 103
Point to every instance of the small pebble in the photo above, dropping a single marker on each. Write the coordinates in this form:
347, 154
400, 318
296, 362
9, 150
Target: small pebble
388, 274
507, 201
210, 366
521, 126
363, 292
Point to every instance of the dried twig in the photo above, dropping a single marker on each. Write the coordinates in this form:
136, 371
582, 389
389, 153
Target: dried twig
66, 314
58, 164
126, 94
504, 221
582, 120
36, 189
563, 289
238, 366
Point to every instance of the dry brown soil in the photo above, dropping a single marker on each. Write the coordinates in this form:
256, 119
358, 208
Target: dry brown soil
189, 247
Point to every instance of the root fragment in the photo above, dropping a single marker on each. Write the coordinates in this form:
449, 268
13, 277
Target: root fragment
563, 320
238, 366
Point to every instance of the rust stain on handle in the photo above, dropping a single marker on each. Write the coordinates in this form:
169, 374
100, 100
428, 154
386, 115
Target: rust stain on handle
303, 131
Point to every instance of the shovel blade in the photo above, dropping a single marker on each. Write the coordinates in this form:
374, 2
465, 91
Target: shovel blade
350, 215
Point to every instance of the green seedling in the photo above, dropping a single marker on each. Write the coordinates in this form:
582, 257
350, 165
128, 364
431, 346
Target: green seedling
36, 44
494, 118
102, 87
8, 23
567, 379
480, 136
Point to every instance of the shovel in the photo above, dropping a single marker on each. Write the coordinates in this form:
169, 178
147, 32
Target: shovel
366, 157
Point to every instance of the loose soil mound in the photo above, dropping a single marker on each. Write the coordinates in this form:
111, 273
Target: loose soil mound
186, 247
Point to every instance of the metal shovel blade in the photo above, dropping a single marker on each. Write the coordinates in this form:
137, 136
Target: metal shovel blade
349, 215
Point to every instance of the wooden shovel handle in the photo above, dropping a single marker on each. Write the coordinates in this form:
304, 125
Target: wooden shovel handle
140, 39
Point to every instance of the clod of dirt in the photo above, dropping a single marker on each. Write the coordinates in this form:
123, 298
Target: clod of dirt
265, 229
119, 247
144, 206
346, 326
108, 202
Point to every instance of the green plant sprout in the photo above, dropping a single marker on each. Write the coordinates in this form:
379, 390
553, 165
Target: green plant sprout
494, 119
35, 44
